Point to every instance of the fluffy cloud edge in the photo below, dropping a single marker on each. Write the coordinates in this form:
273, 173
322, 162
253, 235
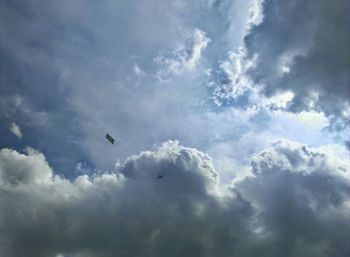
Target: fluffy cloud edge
132, 212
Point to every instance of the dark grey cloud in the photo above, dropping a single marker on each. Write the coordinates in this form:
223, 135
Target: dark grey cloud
135, 214
296, 205
302, 197
303, 47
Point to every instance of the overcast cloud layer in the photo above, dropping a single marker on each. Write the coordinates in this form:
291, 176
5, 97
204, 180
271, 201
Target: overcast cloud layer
241, 105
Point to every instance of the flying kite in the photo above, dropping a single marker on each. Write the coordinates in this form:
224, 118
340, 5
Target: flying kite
110, 138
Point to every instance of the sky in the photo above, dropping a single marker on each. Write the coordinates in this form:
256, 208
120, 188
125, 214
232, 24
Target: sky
241, 105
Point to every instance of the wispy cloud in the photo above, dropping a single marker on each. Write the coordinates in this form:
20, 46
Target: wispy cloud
15, 129
184, 58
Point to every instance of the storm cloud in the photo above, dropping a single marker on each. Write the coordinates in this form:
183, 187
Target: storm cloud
295, 204
303, 47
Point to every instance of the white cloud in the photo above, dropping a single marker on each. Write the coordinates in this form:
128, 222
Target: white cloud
138, 71
312, 119
234, 81
16, 130
278, 101
194, 51
184, 58
231, 81
18, 168
294, 157
255, 14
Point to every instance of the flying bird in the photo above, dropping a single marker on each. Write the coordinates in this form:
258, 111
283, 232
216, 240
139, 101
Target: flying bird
160, 176
110, 138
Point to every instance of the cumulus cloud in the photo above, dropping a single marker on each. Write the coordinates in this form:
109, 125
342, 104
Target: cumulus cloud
303, 47
187, 168
16, 130
130, 214
294, 205
302, 195
293, 157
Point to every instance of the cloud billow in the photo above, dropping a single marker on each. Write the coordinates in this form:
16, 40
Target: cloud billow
280, 210
303, 47
302, 196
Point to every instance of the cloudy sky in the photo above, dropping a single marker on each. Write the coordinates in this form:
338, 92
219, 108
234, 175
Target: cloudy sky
242, 105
